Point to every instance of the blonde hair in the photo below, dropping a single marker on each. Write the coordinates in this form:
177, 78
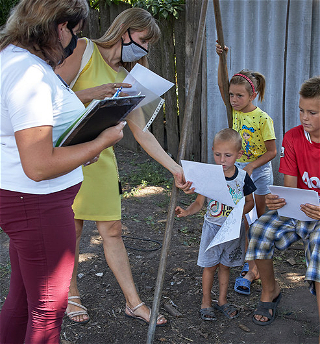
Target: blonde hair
33, 25
136, 20
229, 135
256, 78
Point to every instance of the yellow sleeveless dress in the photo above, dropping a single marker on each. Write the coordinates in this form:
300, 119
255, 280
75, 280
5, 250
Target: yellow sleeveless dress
99, 197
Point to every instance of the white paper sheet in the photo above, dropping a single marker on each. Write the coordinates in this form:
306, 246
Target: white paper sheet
230, 229
294, 198
150, 105
208, 180
137, 88
150, 80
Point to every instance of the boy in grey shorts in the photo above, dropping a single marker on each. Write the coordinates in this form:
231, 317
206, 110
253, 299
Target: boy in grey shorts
226, 150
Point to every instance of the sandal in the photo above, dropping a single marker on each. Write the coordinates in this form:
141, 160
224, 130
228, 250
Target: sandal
263, 309
227, 309
242, 286
71, 315
132, 315
207, 313
244, 270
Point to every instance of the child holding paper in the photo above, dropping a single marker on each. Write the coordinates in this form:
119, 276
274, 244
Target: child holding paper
300, 164
226, 150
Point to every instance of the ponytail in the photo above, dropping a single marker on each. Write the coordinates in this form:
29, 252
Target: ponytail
256, 82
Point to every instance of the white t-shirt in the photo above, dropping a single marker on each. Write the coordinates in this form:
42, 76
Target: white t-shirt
32, 95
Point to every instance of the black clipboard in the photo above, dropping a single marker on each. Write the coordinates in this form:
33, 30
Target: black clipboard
98, 116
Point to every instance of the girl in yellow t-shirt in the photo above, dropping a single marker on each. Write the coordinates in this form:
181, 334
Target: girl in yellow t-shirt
258, 143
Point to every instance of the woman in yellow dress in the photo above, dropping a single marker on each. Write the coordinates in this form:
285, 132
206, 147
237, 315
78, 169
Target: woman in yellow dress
125, 43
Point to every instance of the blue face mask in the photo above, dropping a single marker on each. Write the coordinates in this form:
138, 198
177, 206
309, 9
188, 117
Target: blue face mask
132, 51
68, 50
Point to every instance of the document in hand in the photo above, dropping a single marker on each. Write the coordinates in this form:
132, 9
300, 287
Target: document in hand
146, 82
98, 116
294, 197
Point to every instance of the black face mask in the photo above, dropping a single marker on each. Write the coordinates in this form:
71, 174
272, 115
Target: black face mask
68, 50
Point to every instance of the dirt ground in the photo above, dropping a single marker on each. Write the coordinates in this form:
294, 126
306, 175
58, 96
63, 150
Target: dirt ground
144, 215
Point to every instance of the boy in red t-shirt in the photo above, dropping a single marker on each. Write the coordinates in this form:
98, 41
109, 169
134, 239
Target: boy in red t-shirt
300, 164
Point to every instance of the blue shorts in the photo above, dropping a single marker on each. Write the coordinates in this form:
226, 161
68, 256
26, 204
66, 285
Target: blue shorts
261, 176
271, 231
230, 253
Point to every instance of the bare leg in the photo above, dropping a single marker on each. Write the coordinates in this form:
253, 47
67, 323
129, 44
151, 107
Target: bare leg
253, 272
73, 289
117, 259
223, 275
270, 288
260, 202
207, 283
317, 286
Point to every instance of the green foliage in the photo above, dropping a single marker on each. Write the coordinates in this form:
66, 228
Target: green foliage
5, 6
161, 8
158, 8
93, 3
116, 2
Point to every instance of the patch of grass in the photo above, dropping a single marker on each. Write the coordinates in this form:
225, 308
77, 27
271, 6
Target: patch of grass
5, 270
134, 191
165, 202
147, 173
189, 236
150, 220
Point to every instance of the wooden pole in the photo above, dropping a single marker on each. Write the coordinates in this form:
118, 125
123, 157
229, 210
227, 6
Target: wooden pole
182, 148
223, 60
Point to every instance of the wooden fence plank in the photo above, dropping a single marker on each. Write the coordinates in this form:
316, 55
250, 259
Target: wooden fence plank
192, 18
168, 68
180, 54
155, 64
205, 145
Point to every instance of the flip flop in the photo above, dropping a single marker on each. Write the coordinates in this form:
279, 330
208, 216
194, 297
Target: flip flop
133, 316
239, 285
84, 311
227, 309
207, 314
244, 270
263, 309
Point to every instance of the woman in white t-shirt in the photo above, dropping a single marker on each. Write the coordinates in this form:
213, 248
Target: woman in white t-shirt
37, 181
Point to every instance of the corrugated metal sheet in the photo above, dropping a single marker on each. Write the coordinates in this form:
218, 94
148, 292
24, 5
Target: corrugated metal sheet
278, 38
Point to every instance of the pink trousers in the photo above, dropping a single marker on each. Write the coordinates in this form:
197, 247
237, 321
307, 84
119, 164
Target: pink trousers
42, 246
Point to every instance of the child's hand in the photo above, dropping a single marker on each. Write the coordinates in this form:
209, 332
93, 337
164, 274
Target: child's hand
273, 202
249, 169
311, 210
219, 49
181, 212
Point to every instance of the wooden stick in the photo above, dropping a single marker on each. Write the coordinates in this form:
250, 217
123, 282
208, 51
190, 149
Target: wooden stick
182, 148
223, 60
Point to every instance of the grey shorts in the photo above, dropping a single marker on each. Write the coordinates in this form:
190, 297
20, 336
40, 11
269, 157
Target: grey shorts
261, 176
230, 253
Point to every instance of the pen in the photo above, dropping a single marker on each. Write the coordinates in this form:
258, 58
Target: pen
117, 92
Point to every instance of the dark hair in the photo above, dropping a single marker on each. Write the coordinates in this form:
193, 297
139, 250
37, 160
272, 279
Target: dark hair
229, 134
33, 25
311, 88
256, 78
